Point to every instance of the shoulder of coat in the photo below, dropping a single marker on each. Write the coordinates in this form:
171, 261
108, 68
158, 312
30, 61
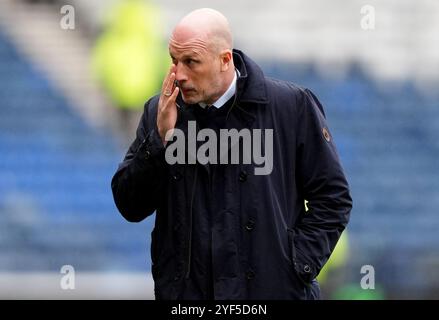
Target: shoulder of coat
283, 86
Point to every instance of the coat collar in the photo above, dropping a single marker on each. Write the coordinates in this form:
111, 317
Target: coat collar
251, 81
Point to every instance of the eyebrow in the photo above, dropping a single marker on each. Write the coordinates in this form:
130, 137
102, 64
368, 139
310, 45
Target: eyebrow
186, 56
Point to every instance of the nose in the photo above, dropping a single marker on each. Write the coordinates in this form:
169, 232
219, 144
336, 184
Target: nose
180, 74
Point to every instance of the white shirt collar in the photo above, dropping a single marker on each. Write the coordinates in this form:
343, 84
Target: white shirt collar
226, 96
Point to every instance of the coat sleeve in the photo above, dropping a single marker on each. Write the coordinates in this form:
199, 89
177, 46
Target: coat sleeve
322, 182
139, 181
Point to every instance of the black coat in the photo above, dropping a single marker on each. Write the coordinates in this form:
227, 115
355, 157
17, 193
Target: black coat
263, 243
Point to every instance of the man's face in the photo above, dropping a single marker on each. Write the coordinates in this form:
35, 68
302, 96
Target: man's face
197, 71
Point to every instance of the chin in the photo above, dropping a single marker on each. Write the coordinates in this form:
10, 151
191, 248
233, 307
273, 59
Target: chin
190, 100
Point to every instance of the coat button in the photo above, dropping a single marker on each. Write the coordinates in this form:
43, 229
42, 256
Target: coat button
250, 225
177, 176
243, 176
147, 155
307, 268
250, 274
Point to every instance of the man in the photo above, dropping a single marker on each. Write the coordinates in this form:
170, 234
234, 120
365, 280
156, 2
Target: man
223, 229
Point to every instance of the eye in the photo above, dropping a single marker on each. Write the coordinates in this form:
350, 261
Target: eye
190, 61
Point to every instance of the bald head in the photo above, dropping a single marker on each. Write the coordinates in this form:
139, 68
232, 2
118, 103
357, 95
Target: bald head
207, 26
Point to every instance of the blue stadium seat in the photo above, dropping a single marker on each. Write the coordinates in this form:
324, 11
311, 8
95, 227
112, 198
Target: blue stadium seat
63, 167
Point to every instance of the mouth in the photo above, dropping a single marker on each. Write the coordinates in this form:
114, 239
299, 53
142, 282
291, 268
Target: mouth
188, 91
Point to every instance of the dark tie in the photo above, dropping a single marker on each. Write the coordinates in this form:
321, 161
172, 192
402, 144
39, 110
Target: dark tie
209, 108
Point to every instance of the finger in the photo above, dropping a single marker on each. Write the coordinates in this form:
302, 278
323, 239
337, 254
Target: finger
174, 94
171, 99
166, 79
170, 103
170, 85
173, 70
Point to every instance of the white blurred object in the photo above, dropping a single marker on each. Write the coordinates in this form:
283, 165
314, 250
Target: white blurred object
88, 285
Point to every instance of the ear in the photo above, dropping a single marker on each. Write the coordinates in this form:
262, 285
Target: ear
226, 58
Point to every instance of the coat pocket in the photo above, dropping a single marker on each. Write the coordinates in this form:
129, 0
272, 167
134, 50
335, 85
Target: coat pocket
292, 247
298, 264
161, 257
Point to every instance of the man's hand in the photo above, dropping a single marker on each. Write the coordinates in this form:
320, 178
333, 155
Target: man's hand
167, 109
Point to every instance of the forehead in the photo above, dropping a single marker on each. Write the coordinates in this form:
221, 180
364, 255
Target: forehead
188, 47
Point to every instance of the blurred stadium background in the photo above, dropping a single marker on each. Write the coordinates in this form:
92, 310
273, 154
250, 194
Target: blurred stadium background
65, 123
